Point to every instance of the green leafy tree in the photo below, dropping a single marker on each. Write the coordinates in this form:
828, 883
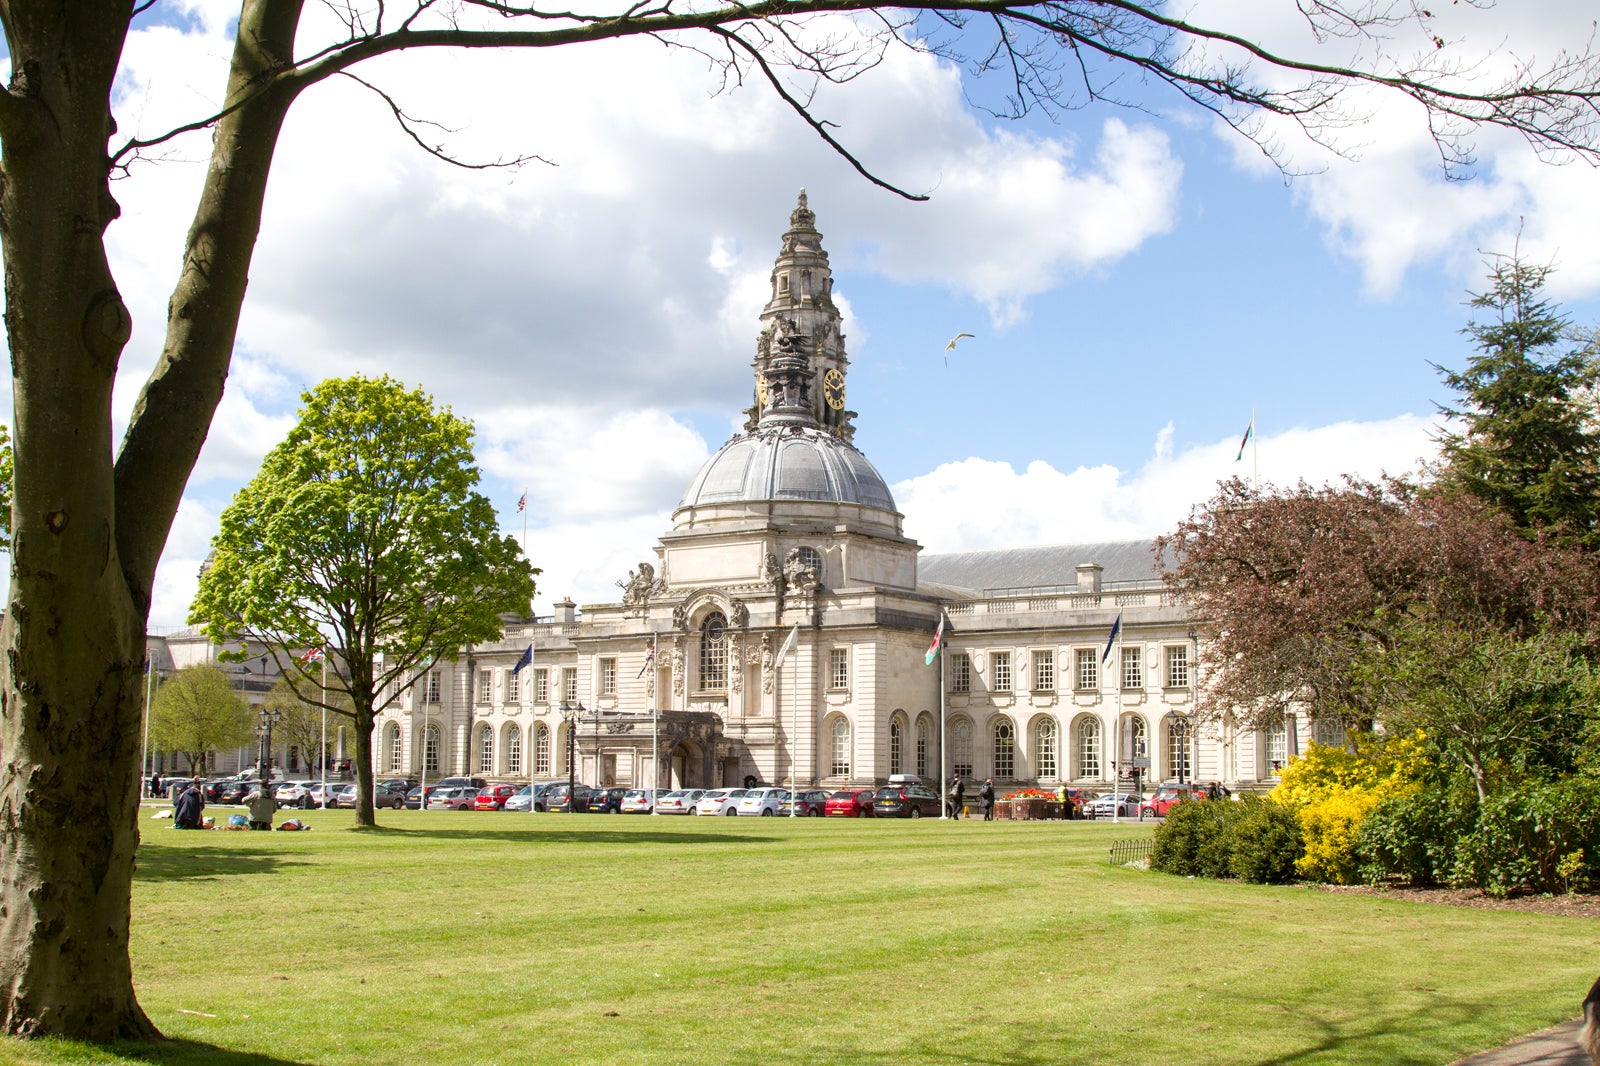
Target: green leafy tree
364, 530
92, 518
196, 712
1529, 445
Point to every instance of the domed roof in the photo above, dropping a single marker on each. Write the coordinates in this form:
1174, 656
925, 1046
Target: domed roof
788, 463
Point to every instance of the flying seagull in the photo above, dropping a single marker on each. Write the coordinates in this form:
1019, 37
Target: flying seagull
952, 346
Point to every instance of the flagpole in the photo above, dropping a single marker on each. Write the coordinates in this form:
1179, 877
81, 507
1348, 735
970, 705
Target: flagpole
1116, 778
944, 780
149, 679
794, 738
323, 755
1255, 454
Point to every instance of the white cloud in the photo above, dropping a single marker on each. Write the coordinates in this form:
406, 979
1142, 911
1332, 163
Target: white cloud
977, 504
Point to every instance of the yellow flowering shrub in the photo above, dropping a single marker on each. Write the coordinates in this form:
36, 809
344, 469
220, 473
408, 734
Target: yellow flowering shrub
1331, 790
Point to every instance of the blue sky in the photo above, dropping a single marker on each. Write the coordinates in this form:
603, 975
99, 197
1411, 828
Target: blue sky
1137, 282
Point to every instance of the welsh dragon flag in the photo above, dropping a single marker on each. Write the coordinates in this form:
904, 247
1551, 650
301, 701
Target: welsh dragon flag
937, 645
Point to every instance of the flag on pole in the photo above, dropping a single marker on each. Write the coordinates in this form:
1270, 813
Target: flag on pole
1249, 431
649, 657
789, 642
937, 645
525, 660
312, 655
522, 504
1116, 627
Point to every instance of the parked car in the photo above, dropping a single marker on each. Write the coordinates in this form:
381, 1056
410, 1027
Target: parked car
236, 791
1113, 805
401, 785
414, 798
382, 796
905, 801
606, 800
322, 795
520, 800
557, 799
453, 798
493, 797
811, 803
719, 801
850, 803
541, 793
641, 800
1165, 796
473, 783
679, 801
295, 794
761, 801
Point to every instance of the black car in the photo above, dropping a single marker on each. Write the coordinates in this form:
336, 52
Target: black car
905, 801
557, 800
236, 791
606, 801
414, 798
401, 785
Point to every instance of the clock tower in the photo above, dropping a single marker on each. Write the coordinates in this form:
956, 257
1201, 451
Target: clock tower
800, 319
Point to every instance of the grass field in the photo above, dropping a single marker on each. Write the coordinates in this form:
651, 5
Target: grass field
464, 938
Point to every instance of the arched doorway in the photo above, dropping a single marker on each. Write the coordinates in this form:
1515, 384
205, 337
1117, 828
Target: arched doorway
685, 767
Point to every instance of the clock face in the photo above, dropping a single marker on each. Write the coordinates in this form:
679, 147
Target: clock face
761, 389
833, 389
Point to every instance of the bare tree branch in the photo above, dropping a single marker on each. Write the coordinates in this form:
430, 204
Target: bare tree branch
409, 123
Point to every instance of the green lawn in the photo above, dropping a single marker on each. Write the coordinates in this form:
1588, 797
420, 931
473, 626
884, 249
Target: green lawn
462, 938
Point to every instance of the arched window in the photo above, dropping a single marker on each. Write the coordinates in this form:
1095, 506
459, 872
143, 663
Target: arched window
430, 749
513, 750
1088, 747
1044, 748
1277, 747
1005, 748
839, 735
392, 745
714, 653
541, 750
1138, 745
1180, 750
961, 747
897, 744
486, 749
924, 742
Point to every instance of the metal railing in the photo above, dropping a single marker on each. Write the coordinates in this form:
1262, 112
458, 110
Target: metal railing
1123, 852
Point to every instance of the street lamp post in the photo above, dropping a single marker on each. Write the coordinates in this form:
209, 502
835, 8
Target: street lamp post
269, 717
572, 713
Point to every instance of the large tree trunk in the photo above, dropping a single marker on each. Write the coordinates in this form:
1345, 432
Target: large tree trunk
87, 535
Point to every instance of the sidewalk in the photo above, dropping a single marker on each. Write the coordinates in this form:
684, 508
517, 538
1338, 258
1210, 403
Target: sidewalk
1557, 1046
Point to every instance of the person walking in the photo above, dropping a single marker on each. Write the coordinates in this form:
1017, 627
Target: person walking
155, 784
986, 794
958, 795
262, 807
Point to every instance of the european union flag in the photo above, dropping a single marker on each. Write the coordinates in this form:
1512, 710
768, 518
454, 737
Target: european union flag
526, 660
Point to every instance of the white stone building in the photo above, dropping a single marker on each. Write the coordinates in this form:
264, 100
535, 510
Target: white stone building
789, 529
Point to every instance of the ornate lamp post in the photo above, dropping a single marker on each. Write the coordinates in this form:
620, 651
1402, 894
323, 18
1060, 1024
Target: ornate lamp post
269, 718
572, 713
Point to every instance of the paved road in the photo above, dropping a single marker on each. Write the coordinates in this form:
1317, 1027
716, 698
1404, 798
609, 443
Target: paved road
1557, 1046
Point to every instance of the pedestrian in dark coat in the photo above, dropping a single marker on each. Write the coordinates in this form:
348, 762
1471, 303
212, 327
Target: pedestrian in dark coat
958, 795
155, 785
986, 794
186, 812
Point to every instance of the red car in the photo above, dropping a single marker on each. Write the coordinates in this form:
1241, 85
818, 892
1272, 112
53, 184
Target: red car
493, 797
1167, 795
850, 803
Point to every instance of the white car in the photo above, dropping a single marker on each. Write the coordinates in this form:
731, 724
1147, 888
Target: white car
1111, 804
295, 794
719, 801
679, 801
521, 800
316, 793
761, 801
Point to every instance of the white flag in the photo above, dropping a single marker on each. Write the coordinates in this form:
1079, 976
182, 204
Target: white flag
789, 642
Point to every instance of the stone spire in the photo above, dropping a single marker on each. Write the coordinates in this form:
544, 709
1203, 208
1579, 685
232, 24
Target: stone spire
800, 339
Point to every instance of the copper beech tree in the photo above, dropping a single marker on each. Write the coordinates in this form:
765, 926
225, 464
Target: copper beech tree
90, 517
1304, 589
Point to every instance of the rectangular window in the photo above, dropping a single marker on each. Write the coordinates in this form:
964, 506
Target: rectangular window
569, 684
485, 687
960, 672
608, 677
1001, 662
431, 692
1044, 671
541, 686
1088, 669
513, 687
839, 668
1178, 666
1132, 668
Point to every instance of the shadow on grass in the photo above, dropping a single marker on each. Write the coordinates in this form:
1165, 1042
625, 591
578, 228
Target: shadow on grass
166, 863
176, 1052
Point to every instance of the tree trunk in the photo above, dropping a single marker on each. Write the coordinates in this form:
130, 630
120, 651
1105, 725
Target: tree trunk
87, 535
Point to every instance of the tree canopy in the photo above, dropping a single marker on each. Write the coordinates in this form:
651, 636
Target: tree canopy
364, 531
91, 518
196, 711
1529, 445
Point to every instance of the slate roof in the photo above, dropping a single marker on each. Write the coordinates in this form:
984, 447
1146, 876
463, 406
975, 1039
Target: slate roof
1046, 566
